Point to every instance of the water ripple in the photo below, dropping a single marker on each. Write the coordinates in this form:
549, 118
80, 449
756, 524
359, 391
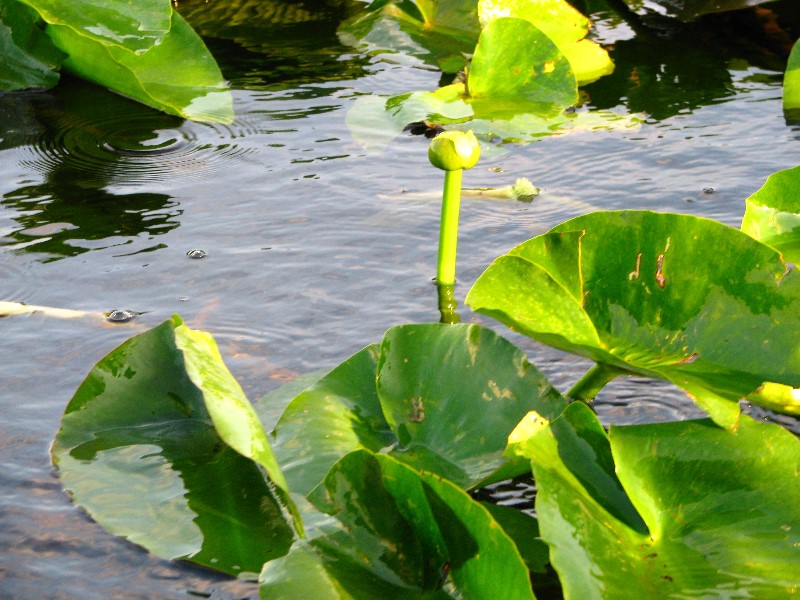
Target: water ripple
132, 150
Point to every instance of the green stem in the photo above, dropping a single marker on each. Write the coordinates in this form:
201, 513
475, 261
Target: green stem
448, 231
447, 304
594, 380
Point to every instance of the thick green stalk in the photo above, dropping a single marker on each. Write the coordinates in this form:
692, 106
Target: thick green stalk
448, 231
447, 304
594, 380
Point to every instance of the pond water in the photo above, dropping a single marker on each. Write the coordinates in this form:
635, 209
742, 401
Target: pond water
314, 244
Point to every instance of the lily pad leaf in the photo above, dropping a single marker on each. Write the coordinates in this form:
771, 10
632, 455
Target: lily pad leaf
442, 398
149, 442
136, 26
440, 34
791, 83
515, 61
234, 418
178, 75
30, 60
668, 296
772, 214
718, 507
405, 535
564, 25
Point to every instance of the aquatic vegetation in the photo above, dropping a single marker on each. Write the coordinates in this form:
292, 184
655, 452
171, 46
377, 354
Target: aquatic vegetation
772, 214
791, 82
132, 49
639, 292
526, 61
452, 151
361, 486
366, 485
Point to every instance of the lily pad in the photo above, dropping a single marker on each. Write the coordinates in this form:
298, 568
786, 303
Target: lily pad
441, 398
669, 296
149, 443
772, 214
515, 61
718, 507
178, 76
405, 535
563, 24
791, 83
136, 26
30, 60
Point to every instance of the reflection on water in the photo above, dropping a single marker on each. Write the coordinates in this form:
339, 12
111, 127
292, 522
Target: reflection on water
272, 44
63, 221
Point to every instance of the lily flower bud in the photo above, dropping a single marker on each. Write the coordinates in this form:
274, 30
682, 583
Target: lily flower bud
454, 150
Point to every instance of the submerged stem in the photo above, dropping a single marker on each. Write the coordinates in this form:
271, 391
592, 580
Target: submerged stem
447, 304
448, 232
594, 380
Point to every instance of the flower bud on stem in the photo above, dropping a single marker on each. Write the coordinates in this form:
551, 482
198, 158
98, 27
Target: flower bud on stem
451, 151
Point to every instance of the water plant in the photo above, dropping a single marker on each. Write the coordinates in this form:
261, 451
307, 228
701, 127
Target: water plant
452, 151
362, 485
791, 83
361, 481
143, 50
526, 62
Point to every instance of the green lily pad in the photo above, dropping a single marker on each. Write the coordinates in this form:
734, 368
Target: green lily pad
669, 296
718, 507
791, 82
169, 69
565, 26
405, 535
772, 214
148, 446
515, 61
442, 398
30, 60
136, 26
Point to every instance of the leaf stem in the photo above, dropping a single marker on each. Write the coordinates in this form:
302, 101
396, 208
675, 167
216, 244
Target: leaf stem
447, 304
448, 231
594, 380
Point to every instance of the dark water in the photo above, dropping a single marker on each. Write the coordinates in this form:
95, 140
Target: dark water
314, 244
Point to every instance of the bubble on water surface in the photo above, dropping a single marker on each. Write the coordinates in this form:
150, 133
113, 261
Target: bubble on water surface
121, 316
196, 254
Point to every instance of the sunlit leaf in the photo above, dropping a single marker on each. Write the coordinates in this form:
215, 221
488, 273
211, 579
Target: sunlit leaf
791, 81
442, 398
148, 446
30, 60
144, 51
697, 511
405, 535
772, 215
178, 76
515, 62
136, 26
563, 24
234, 418
669, 296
